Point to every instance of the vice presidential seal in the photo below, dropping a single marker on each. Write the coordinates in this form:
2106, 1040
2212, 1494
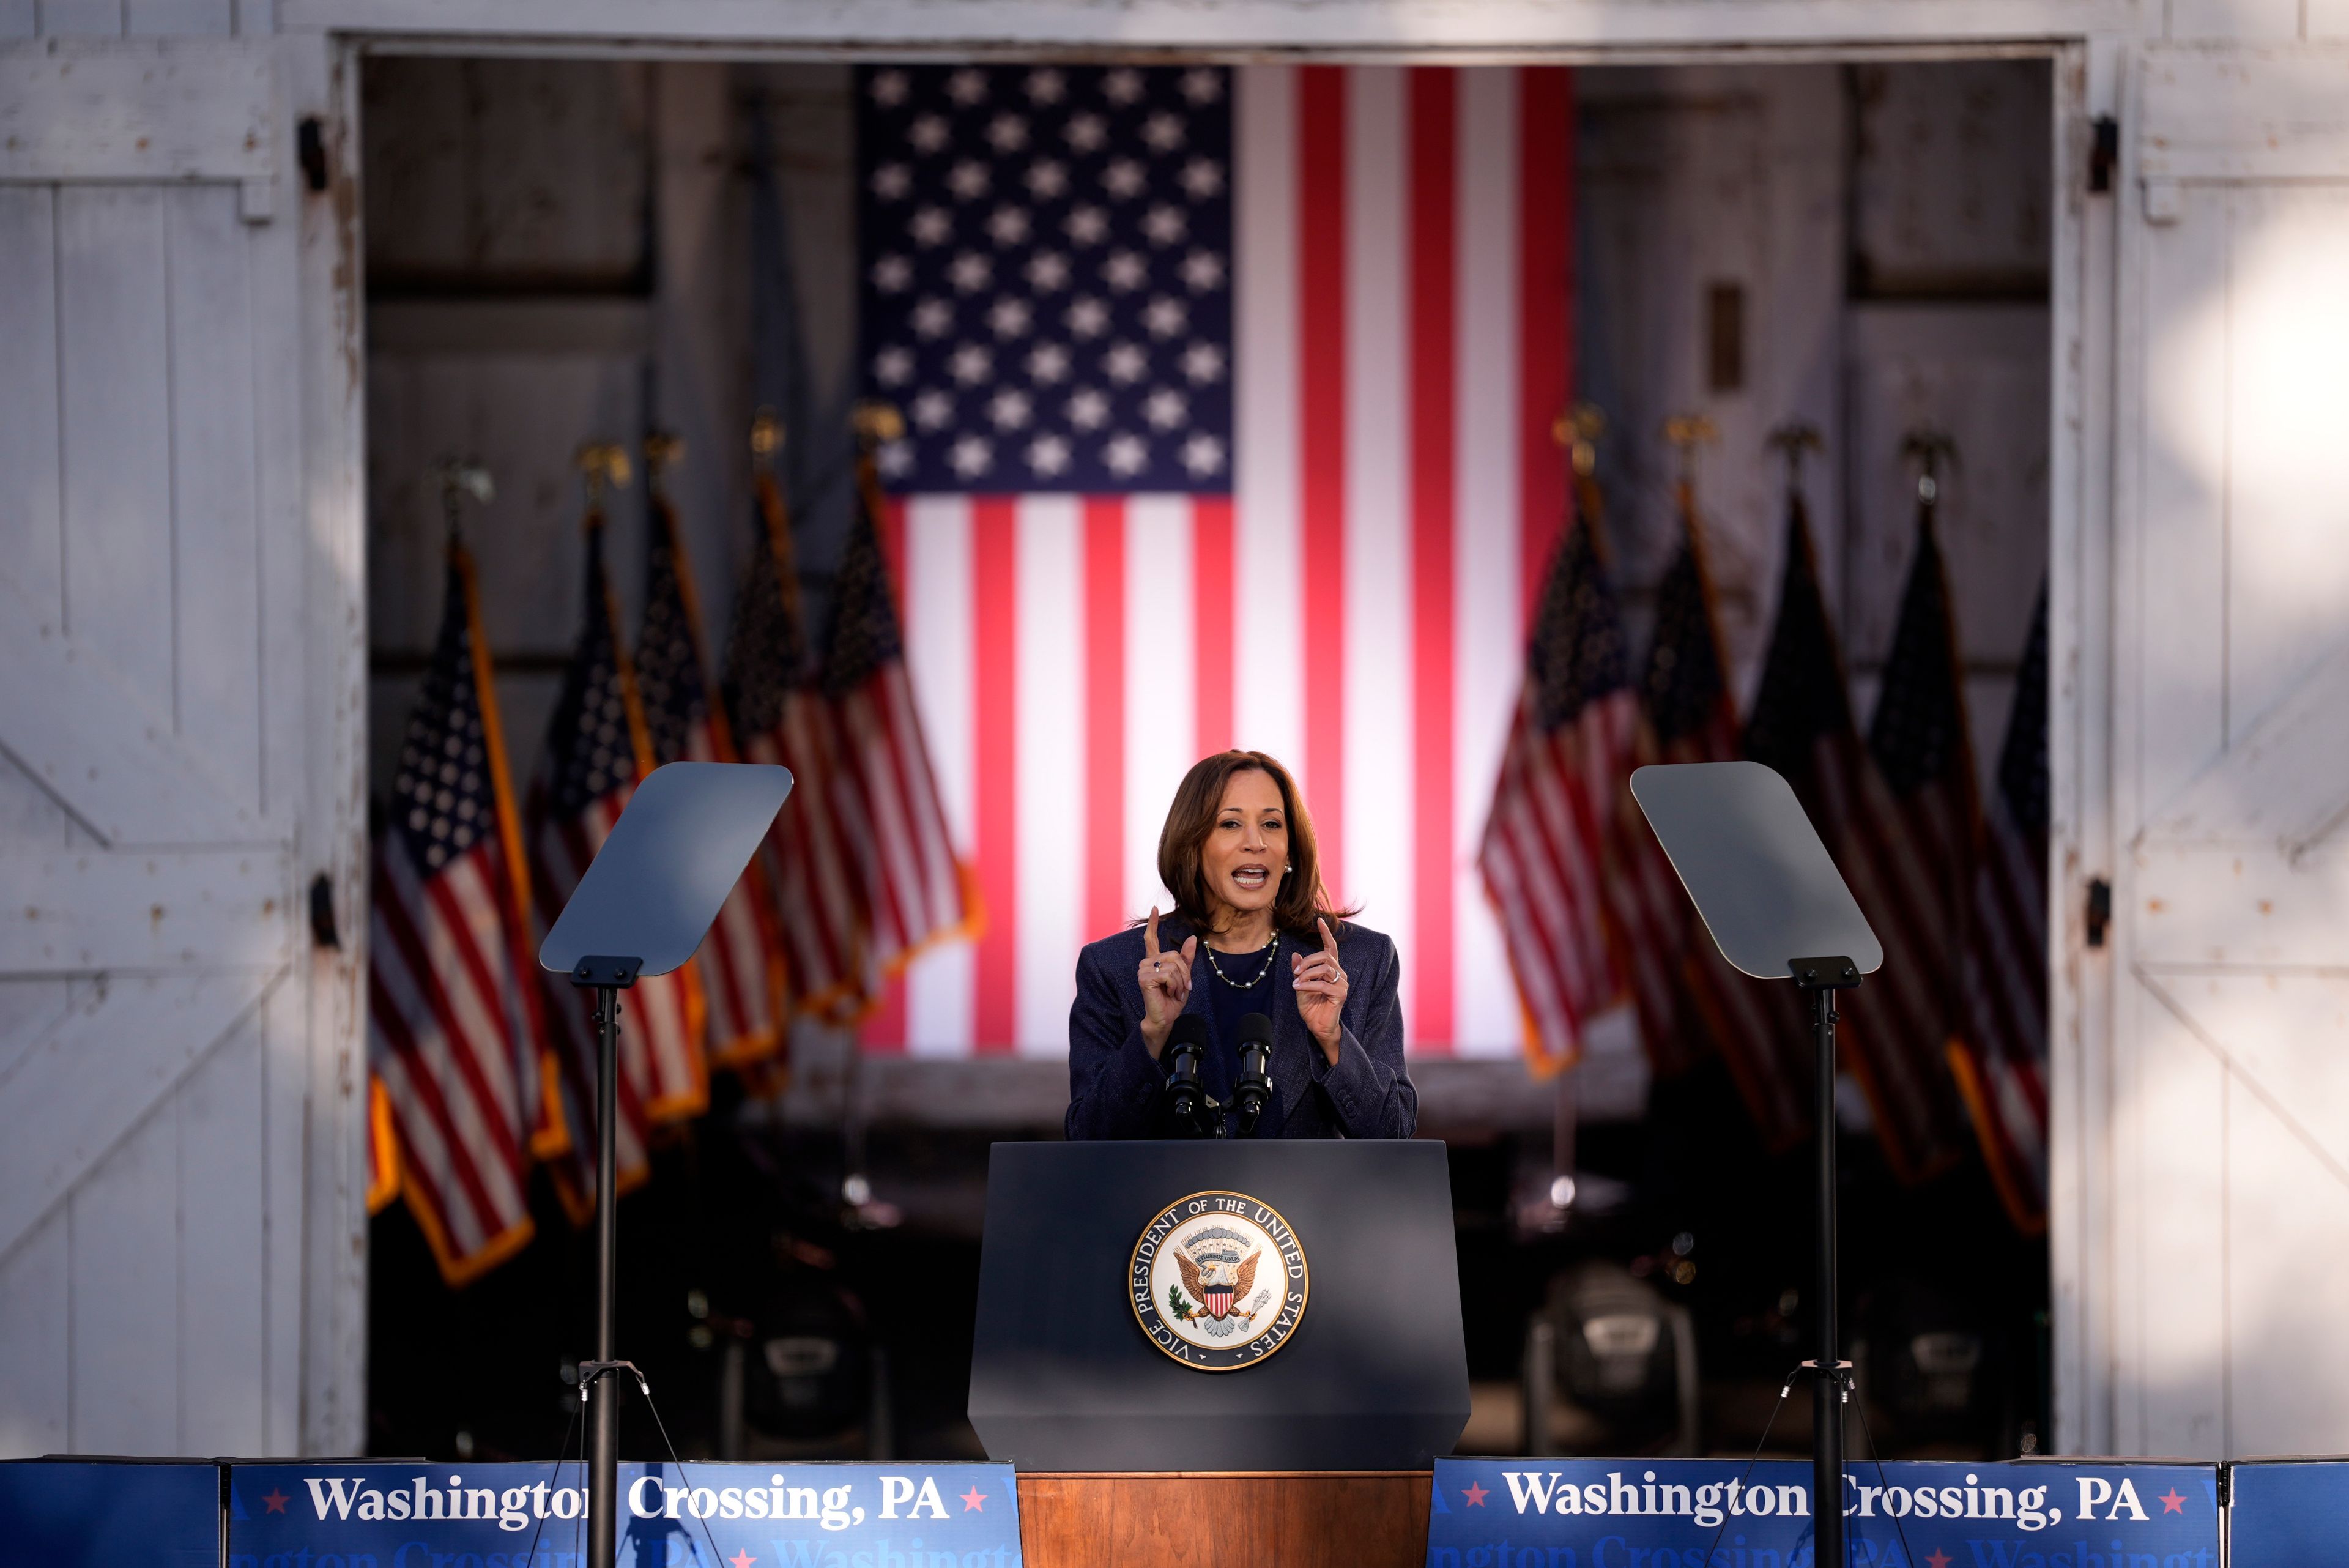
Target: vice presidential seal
1218, 1280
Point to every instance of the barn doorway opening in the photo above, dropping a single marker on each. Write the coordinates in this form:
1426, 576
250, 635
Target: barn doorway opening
562, 252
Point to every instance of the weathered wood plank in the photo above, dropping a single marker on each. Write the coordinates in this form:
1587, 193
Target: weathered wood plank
293, 1207
194, 108
83, 910
81, 19
1422, 27
2176, 1091
2287, 512
113, 291
216, 547
224, 1218
2241, 904
2245, 113
127, 1349
35, 1311
100, 747
77, 1094
29, 1011
2282, 786
29, 817
2181, 648
32, 535
178, 18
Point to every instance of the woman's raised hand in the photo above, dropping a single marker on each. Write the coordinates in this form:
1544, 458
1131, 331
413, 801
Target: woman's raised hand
1320, 986
1165, 979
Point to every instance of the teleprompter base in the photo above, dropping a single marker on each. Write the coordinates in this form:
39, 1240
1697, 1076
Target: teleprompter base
1312, 1519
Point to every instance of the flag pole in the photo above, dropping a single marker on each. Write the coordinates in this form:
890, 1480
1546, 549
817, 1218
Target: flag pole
599, 463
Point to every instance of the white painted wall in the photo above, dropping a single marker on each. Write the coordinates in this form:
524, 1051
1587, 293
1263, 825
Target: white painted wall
2201, 1132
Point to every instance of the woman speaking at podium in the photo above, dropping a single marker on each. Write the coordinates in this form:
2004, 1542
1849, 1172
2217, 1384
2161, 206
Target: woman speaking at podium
1252, 932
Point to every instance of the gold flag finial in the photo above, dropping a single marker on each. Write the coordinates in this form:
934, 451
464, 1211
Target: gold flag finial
878, 423
1688, 432
602, 463
1578, 430
664, 449
766, 435
1794, 439
1928, 447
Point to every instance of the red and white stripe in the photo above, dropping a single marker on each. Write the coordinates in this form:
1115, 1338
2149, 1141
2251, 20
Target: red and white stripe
807, 866
663, 1074
892, 824
1544, 861
454, 1049
1357, 606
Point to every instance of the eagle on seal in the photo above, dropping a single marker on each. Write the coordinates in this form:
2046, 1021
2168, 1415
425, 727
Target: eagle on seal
1230, 1282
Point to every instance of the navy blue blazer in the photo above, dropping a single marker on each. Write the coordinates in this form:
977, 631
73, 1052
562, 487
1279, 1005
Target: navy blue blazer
1116, 1089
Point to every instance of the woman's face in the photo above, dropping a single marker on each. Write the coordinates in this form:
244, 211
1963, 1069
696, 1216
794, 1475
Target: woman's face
1247, 849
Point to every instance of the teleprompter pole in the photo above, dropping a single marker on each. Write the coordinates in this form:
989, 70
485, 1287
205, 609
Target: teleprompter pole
597, 1378
604, 1474
1830, 1384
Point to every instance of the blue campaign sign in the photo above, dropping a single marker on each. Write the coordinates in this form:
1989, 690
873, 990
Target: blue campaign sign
2288, 1515
122, 1513
374, 1515
1724, 1513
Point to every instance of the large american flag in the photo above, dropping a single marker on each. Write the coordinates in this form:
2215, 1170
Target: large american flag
1299, 334
2001, 1053
742, 959
1546, 844
596, 750
452, 1028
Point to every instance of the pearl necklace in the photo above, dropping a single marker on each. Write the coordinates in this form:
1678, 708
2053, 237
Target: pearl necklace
1270, 954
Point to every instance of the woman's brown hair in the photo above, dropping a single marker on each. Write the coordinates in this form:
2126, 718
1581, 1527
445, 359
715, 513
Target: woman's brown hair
1182, 845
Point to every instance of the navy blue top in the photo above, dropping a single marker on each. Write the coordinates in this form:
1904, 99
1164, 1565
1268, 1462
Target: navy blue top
1227, 1005
1117, 1089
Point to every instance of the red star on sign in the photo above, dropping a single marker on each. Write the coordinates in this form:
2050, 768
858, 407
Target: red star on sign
741, 1559
275, 1501
974, 1501
1939, 1559
1475, 1495
2171, 1502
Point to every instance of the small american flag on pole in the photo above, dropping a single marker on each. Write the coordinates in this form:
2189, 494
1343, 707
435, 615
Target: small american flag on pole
1801, 724
2000, 1053
1910, 859
778, 710
452, 1025
742, 959
1685, 716
1545, 845
596, 750
885, 796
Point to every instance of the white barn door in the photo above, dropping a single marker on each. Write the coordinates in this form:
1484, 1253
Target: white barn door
2228, 1163
158, 1088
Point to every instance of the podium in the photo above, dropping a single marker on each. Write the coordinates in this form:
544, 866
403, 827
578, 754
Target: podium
1070, 1373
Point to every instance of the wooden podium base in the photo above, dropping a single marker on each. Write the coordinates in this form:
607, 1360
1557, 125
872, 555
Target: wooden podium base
1196, 1519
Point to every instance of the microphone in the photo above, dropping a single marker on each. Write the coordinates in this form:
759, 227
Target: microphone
1254, 1087
1187, 1042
